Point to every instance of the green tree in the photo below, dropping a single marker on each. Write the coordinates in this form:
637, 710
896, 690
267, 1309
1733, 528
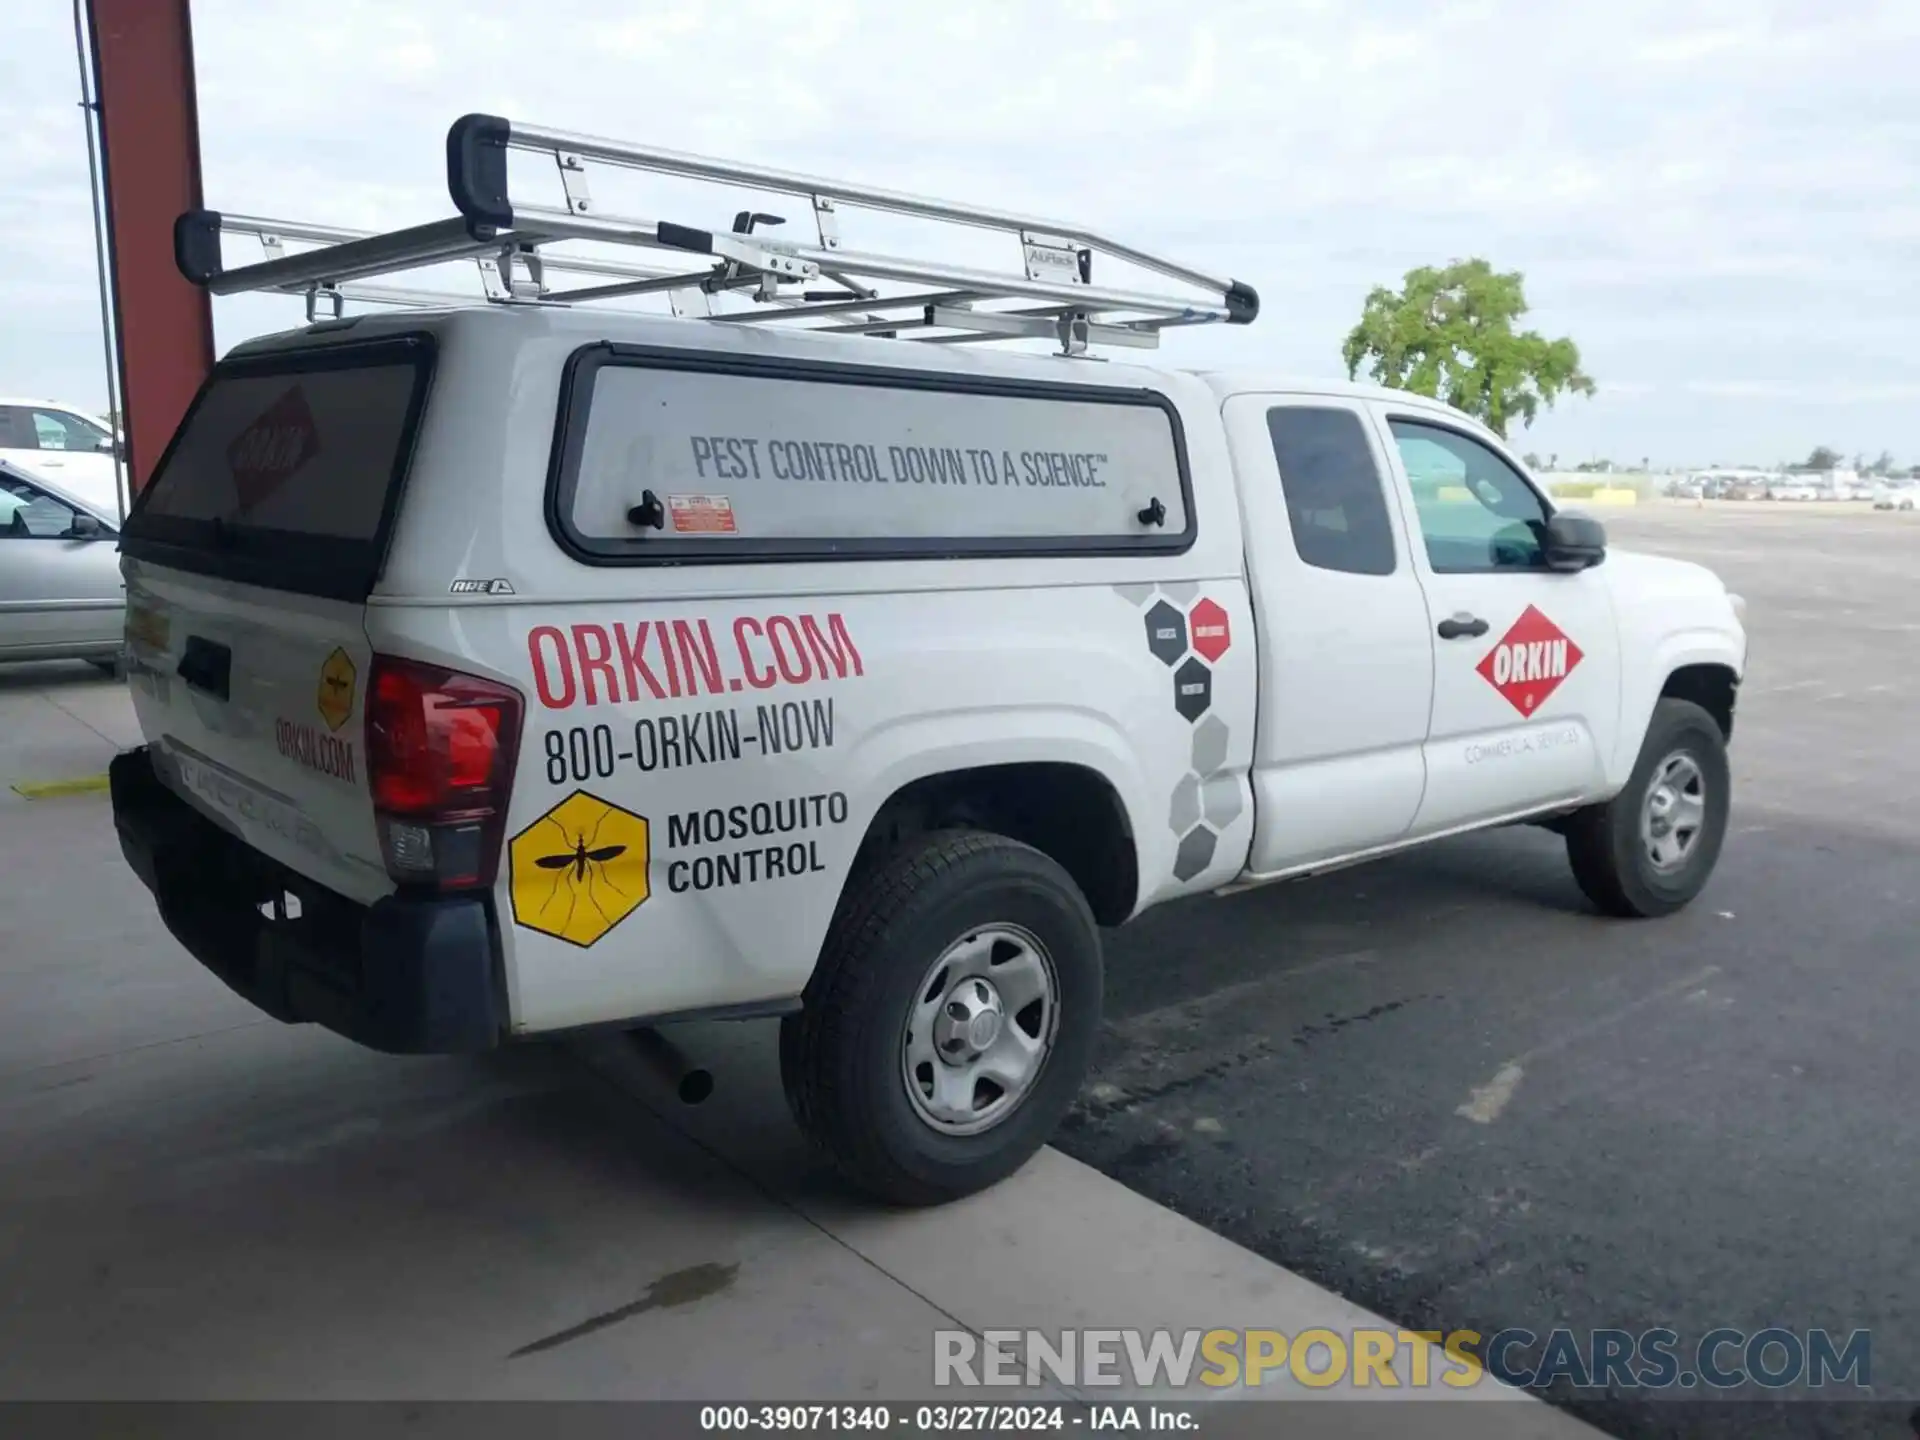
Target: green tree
1449, 333
1824, 457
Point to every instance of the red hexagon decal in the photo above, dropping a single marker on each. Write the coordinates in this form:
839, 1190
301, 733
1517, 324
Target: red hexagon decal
1207, 631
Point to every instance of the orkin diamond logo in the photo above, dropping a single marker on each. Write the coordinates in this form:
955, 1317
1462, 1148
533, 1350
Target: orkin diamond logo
1530, 661
268, 451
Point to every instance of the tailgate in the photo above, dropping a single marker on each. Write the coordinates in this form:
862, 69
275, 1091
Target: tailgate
251, 700
248, 561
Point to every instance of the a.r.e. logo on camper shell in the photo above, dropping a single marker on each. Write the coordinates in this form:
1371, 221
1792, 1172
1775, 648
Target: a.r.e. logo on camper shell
579, 870
335, 699
1527, 664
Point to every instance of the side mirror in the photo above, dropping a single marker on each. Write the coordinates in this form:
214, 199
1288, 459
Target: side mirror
1574, 541
85, 527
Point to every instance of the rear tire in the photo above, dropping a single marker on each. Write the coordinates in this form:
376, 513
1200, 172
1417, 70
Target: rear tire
894, 995
1635, 856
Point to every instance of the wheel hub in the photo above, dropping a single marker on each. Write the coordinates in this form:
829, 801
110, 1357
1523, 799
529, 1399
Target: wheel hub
978, 1035
1674, 813
970, 1021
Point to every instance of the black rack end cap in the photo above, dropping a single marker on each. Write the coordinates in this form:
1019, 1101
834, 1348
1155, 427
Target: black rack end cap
196, 246
684, 237
477, 170
1243, 303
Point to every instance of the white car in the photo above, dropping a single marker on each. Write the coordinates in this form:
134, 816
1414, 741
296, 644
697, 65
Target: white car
65, 445
61, 595
539, 667
1793, 490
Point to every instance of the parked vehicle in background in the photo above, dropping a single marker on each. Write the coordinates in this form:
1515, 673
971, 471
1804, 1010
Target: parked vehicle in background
1723, 483
61, 595
1895, 495
1793, 490
63, 444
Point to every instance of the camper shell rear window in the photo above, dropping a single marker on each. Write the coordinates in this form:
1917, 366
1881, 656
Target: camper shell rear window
287, 470
666, 456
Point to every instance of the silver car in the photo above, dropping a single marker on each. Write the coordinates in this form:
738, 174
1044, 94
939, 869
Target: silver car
61, 595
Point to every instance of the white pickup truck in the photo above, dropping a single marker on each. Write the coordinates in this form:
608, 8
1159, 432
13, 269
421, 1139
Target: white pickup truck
512, 669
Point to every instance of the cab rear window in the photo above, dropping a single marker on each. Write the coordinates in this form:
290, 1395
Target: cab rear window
287, 469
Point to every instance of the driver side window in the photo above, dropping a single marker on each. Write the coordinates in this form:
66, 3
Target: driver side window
29, 513
1477, 513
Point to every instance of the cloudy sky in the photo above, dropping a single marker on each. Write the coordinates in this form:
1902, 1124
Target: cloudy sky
1720, 202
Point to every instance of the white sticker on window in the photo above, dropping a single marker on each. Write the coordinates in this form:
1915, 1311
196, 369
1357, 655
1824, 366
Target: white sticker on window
701, 514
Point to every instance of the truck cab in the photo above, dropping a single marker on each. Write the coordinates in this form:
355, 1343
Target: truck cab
1441, 650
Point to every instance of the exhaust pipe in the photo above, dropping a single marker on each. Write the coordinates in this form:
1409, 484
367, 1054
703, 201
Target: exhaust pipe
672, 1068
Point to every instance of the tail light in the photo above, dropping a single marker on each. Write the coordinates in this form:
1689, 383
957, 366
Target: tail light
440, 754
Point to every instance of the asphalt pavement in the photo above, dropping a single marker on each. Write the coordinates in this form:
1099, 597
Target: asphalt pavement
1445, 1088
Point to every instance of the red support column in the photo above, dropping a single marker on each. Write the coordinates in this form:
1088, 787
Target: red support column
150, 157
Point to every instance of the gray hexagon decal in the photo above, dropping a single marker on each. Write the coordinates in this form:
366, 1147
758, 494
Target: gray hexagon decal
1220, 800
1186, 805
1166, 632
1195, 854
1192, 689
1135, 594
1209, 744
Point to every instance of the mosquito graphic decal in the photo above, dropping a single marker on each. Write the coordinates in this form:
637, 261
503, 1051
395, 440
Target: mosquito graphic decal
579, 870
580, 856
335, 699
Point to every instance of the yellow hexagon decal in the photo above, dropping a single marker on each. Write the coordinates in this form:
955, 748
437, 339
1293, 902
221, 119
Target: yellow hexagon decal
579, 870
335, 700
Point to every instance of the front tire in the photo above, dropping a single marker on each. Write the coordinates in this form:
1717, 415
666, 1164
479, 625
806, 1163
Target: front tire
950, 1021
1652, 848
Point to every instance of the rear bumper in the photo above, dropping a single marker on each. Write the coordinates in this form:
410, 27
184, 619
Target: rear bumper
405, 975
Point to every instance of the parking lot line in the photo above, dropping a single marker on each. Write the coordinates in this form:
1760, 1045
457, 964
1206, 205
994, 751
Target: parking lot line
50, 789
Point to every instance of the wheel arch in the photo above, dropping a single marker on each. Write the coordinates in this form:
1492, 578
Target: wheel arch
1712, 685
1704, 666
1070, 812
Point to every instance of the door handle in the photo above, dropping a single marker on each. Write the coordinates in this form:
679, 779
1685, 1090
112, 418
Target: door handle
1457, 627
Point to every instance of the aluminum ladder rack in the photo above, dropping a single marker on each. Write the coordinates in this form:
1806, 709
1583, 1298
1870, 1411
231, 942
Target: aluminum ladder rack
823, 285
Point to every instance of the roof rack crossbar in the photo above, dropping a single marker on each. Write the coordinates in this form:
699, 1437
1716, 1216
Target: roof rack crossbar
541, 140
1052, 290
916, 301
